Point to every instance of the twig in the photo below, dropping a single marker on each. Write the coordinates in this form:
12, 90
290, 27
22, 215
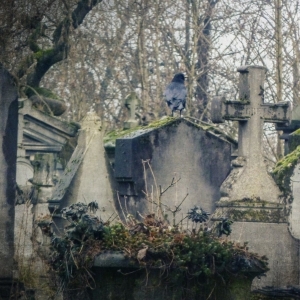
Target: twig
171, 185
121, 206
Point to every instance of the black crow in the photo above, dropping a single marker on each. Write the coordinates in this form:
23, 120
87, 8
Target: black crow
175, 93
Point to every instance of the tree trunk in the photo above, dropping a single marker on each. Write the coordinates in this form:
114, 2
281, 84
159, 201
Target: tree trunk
203, 52
279, 68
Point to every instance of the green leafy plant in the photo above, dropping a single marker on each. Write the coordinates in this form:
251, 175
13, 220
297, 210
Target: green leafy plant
151, 243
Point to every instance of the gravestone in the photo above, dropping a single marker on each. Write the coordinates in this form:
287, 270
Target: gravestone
194, 158
87, 175
249, 196
8, 152
249, 177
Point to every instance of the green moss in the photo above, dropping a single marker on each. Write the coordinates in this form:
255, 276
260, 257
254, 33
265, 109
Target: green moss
249, 202
297, 132
284, 170
113, 135
42, 53
258, 215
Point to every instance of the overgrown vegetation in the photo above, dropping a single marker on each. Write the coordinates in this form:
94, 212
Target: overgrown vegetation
284, 170
200, 253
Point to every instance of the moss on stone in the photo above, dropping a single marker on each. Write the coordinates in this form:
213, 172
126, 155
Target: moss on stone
297, 132
257, 215
284, 169
111, 137
249, 202
42, 53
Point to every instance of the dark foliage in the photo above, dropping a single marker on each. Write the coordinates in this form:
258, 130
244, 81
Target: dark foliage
149, 244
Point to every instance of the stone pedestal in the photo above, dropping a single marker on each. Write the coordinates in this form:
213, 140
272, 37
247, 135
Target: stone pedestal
249, 195
274, 241
116, 277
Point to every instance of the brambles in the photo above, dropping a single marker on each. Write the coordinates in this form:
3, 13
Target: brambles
149, 244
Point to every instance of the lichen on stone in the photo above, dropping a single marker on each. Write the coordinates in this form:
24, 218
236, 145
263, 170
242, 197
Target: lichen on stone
284, 169
111, 137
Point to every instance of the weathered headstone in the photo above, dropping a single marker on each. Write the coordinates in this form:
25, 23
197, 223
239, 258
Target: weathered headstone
8, 153
148, 160
250, 197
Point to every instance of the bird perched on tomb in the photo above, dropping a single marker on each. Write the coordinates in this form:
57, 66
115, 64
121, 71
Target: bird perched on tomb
175, 93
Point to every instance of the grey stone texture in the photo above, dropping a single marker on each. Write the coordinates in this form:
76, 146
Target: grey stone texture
250, 196
39, 132
274, 241
147, 161
294, 219
249, 178
8, 154
87, 175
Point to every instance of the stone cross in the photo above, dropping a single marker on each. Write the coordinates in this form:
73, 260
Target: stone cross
249, 178
131, 103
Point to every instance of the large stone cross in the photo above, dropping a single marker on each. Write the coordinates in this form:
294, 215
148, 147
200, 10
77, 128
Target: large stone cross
249, 178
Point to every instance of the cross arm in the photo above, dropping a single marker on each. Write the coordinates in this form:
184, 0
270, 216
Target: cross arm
222, 110
277, 112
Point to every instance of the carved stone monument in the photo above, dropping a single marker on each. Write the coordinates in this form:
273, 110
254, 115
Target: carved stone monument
8, 153
249, 178
249, 196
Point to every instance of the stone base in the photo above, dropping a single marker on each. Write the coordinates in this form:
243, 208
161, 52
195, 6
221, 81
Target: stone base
135, 283
274, 241
250, 211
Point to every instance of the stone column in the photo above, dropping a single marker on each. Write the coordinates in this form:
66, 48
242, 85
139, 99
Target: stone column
8, 157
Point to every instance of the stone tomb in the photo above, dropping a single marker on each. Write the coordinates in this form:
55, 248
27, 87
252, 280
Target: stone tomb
194, 157
41, 138
249, 195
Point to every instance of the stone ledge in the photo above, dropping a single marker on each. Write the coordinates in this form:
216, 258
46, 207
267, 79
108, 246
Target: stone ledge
254, 212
